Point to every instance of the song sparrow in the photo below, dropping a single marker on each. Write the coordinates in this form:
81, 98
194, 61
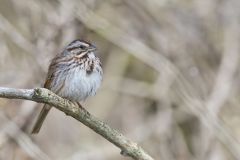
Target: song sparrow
74, 74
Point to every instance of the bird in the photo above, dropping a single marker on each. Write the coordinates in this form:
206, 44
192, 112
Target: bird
74, 74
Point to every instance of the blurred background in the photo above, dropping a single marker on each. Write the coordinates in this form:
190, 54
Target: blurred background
171, 77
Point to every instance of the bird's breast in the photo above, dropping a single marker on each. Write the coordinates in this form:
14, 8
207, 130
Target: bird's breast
78, 84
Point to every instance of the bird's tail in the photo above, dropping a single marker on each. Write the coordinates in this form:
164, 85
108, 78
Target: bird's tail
43, 114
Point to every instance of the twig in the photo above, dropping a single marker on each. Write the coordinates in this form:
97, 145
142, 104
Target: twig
43, 95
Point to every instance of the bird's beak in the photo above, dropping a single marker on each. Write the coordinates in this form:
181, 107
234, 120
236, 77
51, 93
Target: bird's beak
92, 48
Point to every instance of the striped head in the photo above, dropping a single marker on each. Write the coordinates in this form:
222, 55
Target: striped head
79, 48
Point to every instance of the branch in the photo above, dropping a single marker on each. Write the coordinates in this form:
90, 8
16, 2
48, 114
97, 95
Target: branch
42, 95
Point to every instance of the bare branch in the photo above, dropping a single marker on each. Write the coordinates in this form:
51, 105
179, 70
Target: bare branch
43, 95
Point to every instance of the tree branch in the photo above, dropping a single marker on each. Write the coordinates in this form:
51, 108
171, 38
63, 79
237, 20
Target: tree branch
42, 95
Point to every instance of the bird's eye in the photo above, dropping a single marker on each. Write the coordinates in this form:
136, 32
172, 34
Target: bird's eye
83, 47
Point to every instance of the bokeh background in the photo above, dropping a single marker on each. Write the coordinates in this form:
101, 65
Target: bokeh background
171, 77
